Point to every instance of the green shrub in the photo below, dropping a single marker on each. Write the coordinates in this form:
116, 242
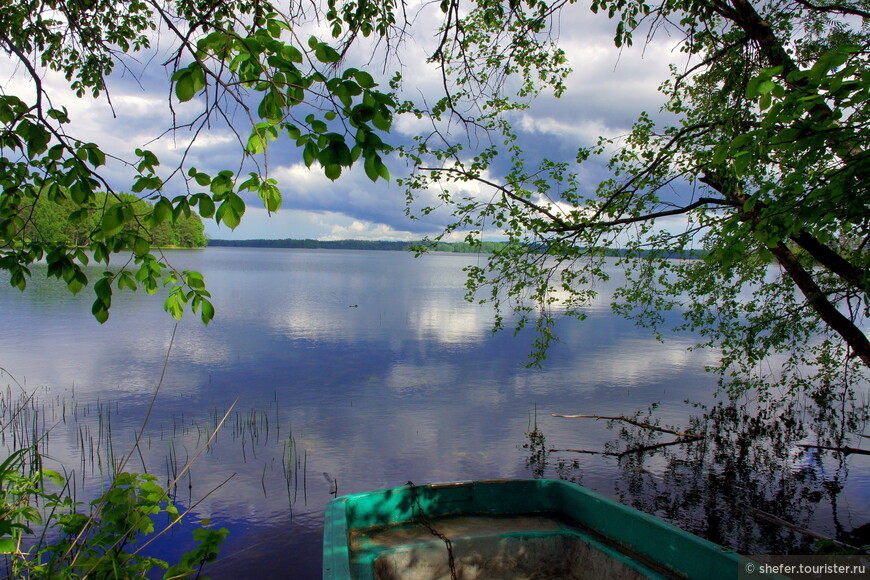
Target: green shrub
103, 542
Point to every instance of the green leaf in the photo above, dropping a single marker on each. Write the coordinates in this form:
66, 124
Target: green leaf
740, 141
126, 280
100, 311
272, 107
76, 280
206, 206
184, 86
95, 156
53, 476
326, 54
381, 121
382, 169
56, 152
182, 207
222, 183
103, 289
252, 183
720, 154
113, 220
764, 87
174, 303
228, 214
371, 168
194, 279
332, 171
742, 161
270, 195
207, 311
291, 53
8, 546
198, 76
256, 143
141, 246
364, 79
309, 153
162, 211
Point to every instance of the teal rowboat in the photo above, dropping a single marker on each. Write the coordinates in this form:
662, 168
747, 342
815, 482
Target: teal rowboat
508, 529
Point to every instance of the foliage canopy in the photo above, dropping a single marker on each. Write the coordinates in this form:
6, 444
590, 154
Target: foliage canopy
236, 59
766, 168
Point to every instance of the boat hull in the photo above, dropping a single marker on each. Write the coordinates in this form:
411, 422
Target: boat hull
508, 529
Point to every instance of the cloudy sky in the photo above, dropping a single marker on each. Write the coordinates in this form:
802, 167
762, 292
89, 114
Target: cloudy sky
606, 92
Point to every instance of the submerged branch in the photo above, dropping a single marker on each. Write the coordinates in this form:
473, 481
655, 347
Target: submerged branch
633, 422
845, 450
633, 450
770, 518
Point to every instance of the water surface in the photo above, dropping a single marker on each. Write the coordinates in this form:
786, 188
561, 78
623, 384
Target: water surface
353, 370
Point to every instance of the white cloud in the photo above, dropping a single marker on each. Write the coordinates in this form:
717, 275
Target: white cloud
257, 223
606, 91
359, 230
300, 177
584, 133
410, 124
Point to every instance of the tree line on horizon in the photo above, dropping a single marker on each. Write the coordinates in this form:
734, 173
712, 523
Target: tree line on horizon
389, 245
400, 246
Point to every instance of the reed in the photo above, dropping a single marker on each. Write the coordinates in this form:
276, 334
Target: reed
83, 436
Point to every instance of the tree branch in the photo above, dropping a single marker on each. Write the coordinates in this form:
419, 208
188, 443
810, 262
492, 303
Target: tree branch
831, 259
504, 190
835, 319
839, 8
650, 216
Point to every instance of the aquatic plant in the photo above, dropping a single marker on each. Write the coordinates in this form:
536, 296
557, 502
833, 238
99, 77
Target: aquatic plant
46, 533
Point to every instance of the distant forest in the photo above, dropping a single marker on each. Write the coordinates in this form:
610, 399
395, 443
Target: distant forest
57, 221
459, 247
456, 247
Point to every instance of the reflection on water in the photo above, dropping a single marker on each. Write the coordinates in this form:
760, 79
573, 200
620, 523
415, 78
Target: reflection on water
354, 371
754, 477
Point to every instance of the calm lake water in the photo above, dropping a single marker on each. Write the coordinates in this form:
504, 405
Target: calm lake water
353, 371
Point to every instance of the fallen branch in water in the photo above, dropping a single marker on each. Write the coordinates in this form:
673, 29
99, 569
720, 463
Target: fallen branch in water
633, 450
633, 422
844, 450
588, 451
772, 519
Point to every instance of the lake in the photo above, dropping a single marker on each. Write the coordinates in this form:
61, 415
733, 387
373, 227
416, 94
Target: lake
360, 370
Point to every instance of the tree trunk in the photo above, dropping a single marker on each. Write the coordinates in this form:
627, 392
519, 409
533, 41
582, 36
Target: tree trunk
835, 319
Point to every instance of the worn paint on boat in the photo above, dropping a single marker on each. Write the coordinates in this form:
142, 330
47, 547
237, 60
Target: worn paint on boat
513, 529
